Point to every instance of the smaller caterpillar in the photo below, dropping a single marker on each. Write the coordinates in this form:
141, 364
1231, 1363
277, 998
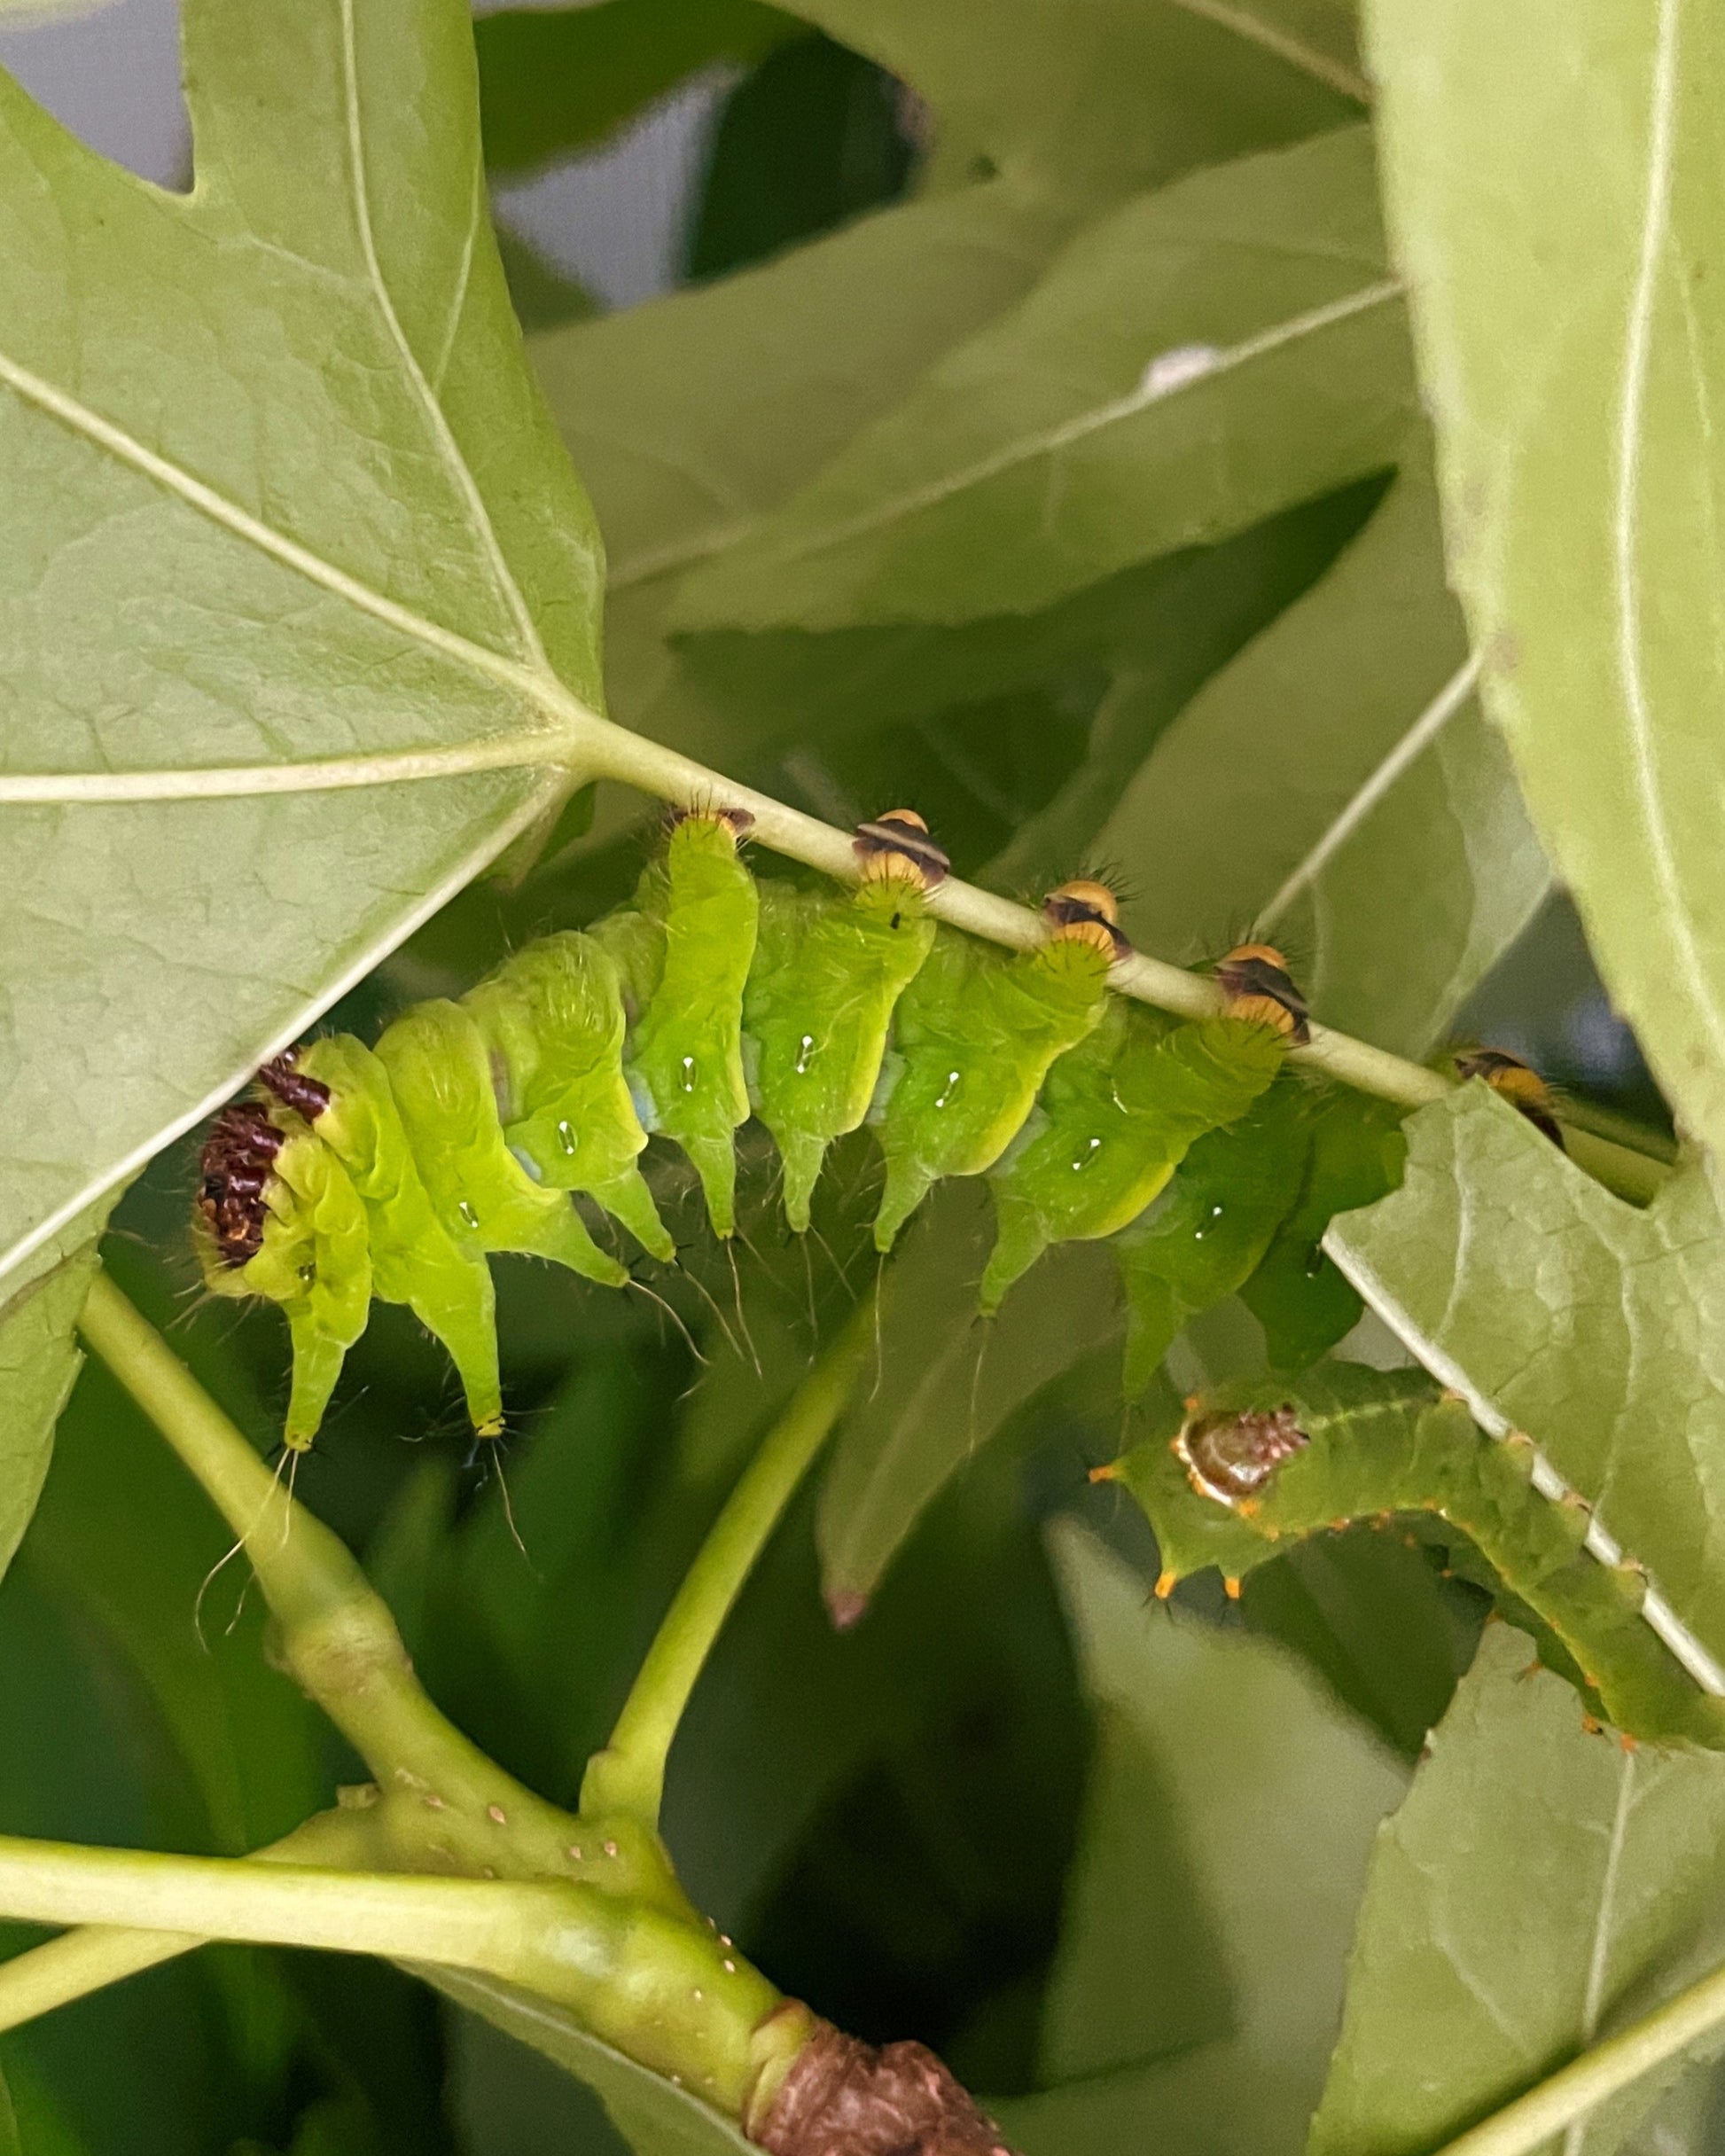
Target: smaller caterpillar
1259, 1465
710, 996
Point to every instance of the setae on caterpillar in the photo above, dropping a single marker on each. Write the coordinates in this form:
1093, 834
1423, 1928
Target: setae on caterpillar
708, 997
1261, 1464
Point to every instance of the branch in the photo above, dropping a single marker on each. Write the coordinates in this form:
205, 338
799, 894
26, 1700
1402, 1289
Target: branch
1533, 2120
628, 1775
449, 1806
610, 751
95, 1955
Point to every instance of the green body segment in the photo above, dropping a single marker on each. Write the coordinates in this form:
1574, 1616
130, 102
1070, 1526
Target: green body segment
315, 1260
829, 969
552, 1021
415, 1260
1354, 1157
440, 1072
1116, 1117
1388, 1445
972, 1040
685, 975
1223, 1206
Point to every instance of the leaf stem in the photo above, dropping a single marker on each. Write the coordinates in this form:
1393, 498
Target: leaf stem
610, 751
628, 1775
1533, 2120
451, 1807
95, 1955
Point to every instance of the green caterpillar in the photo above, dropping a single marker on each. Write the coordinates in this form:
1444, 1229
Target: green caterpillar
1259, 1465
708, 997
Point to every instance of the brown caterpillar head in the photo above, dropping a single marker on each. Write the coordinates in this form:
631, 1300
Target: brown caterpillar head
1254, 979
1516, 1082
897, 847
1086, 912
304, 1096
1231, 1455
234, 1169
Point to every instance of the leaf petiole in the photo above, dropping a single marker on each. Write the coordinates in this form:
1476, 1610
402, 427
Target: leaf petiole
628, 1775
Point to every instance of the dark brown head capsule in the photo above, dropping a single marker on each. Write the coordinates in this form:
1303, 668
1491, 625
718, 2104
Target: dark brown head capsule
1228, 1456
1254, 979
238, 1160
1085, 912
1518, 1083
898, 845
306, 1097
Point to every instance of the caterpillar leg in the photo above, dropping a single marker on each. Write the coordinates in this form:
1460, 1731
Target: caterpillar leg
317, 1360
457, 1303
908, 1183
565, 1241
803, 1152
714, 1162
629, 1203
1019, 1240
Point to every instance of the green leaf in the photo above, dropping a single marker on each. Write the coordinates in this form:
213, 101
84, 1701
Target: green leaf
1230, 1817
1559, 1310
1540, 1887
556, 80
1338, 787
653, 2116
1204, 356
1115, 94
1571, 350
948, 1382
282, 496
39, 1360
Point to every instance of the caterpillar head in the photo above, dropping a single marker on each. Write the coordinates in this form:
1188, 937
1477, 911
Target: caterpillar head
1516, 1082
236, 1168
1254, 979
896, 847
1230, 1456
1086, 912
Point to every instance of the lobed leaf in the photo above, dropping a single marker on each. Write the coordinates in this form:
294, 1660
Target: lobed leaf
1540, 1887
1570, 348
1205, 355
283, 495
1563, 1312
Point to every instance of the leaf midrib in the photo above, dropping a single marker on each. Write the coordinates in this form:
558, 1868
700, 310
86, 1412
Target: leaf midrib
1049, 441
534, 684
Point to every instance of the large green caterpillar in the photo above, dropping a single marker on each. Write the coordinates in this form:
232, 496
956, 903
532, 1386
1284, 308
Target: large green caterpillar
1258, 1465
395, 1171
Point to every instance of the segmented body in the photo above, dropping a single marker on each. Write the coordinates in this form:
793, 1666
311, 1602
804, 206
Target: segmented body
1258, 1466
395, 1171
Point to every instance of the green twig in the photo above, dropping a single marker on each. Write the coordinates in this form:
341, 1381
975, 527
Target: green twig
1533, 2120
628, 1775
95, 1955
449, 1808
